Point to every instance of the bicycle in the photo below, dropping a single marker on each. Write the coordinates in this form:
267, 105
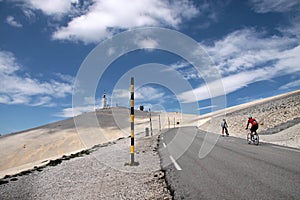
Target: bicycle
254, 140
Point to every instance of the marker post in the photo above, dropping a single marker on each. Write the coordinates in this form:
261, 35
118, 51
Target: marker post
132, 162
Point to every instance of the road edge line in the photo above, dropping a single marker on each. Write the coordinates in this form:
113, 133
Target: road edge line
286, 148
175, 163
164, 145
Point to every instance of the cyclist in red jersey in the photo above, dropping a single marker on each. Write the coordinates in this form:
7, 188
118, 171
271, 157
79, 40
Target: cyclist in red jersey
254, 125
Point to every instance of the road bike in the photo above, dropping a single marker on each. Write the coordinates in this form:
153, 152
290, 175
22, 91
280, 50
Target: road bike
255, 138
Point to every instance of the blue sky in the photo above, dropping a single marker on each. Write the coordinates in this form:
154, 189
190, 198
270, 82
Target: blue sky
253, 44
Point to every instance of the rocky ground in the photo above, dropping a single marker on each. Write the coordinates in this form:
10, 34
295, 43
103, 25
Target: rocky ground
97, 173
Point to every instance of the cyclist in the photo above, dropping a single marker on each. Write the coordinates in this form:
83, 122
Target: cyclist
254, 125
224, 127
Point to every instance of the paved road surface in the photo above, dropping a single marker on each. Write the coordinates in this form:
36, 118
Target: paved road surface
232, 170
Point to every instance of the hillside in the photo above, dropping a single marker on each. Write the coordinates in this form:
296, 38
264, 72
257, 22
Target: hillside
273, 114
34, 147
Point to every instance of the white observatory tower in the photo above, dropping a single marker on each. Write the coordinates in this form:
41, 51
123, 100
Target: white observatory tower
104, 101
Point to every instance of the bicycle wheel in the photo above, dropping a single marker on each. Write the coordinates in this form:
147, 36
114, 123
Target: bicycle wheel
249, 138
256, 142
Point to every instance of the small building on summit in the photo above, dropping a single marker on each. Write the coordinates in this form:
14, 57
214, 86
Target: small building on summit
104, 101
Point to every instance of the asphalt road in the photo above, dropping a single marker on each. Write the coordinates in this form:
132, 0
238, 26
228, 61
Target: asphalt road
232, 170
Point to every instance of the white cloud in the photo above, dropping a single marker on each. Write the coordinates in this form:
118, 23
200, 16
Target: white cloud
264, 6
12, 22
65, 77
145, 93
90, 104
189, 73
8, 64
111, 51
180, 65
72, 112
142, 95
42, 101
94, 20
293, 28
245, 57
92, 101
289, 61
207, 107
247, 99
246, 49
230, 84
16, 88
51, 7
4, 99
28, 13
148, 93
290, 85
147, 43
186, 70
103, 18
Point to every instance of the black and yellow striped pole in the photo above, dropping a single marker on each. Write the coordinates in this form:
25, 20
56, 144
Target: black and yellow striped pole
132, 163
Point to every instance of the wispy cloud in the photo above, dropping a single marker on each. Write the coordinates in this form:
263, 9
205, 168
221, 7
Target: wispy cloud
147, 43
72, 112
186, 70
293, 30
264, 6
291, 85
206, 107
247, 49
12, 22
245, 57
145, 93
148, 93
18, 88
247, 99
29, 14
89, 104
65, 77
180, 65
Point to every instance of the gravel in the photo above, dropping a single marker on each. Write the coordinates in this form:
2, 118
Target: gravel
100, 173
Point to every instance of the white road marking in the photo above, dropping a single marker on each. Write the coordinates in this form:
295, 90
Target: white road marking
278, 147
175, 163
164, 145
